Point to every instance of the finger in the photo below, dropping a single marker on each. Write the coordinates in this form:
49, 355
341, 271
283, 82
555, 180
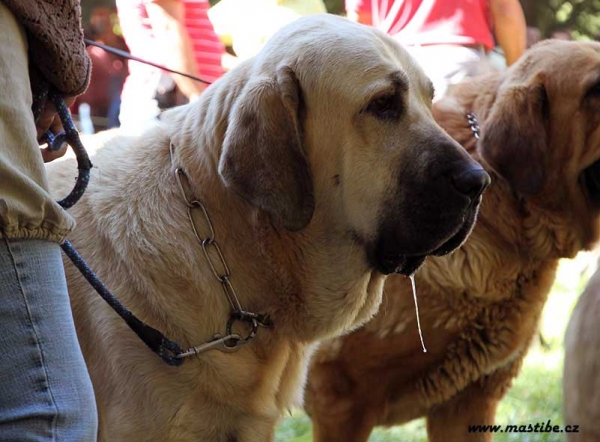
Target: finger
56, 126
50, 155
46, 119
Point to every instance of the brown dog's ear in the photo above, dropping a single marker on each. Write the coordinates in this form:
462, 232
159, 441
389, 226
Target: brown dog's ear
263, 158
514, 136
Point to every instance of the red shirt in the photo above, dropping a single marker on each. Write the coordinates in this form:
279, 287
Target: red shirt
428, 22
138, 34
208, 49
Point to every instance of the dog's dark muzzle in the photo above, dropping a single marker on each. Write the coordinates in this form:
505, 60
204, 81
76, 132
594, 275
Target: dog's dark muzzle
434, 221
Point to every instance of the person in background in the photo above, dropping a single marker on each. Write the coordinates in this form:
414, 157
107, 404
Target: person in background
448, 38
45, 389
108, 74
176, 34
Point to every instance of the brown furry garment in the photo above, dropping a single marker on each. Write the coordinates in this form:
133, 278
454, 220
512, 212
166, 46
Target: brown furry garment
480, 307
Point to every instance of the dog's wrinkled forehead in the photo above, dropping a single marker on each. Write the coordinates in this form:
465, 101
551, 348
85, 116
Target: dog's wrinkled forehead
562, 53
566, 64
327, 51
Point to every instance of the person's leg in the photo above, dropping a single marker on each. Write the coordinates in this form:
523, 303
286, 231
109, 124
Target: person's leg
45, 389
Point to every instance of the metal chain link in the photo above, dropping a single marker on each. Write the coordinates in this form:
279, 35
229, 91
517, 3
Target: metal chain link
473, 124
221, 271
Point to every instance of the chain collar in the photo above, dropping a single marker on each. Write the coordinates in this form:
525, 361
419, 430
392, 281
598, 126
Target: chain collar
218, 265
473, 124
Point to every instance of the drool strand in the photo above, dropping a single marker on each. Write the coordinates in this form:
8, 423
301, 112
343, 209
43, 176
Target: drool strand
414, 289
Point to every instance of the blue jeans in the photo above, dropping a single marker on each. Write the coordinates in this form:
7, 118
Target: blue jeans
45, 390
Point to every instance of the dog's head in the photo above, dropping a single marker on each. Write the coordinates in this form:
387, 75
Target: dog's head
334, 127
542, 135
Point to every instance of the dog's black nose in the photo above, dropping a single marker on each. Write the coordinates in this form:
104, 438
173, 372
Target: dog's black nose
472, 182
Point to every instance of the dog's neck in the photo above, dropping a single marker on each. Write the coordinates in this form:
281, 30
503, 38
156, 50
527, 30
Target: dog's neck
314, 283
267, 262
339, 289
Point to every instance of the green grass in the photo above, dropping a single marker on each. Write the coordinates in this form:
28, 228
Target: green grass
536, 394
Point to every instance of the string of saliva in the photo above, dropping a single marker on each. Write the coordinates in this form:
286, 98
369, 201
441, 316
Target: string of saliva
414, 289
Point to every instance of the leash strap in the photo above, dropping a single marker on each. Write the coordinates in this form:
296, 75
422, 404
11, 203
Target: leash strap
129, 56
166, 349
70, 136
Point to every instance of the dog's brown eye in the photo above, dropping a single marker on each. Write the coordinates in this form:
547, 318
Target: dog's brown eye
591, 181
385, 107
594, 91
545, 103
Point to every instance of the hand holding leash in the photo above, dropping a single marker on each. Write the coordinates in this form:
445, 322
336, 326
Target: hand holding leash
50, 130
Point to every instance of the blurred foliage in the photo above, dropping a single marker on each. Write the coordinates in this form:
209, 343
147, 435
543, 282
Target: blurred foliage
87, 6
581, 17
334, 6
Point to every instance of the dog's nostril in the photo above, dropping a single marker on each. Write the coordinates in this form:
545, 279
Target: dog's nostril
472, 183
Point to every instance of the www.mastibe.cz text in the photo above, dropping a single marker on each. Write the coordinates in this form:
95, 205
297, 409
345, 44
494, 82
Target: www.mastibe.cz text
541, 427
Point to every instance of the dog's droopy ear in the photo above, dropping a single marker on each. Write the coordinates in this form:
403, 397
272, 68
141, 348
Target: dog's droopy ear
514, 136
263, 157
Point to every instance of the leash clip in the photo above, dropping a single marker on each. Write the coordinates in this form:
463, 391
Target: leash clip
227, 344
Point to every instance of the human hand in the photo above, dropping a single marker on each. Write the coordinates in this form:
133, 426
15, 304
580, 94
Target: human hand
50, 121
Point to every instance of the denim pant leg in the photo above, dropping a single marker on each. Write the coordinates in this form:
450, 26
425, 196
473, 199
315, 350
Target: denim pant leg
45, 390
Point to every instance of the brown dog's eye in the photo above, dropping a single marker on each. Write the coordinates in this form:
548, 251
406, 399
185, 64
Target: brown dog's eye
545, 103
385, 107
594, 91
591, 181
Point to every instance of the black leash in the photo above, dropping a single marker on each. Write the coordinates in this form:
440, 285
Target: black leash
165, 348
129, 56
168, 350
71, 137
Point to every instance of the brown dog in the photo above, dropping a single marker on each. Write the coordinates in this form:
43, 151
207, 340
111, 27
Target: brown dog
321, 167
581, 378
540, 138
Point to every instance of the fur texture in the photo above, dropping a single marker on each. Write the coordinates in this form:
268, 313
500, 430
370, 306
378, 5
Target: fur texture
540, 133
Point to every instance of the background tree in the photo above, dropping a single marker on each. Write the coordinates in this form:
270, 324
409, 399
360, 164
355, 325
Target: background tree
87, 6
581, 17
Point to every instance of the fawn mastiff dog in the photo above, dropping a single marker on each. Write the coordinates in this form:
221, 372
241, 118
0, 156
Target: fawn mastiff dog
540, 141
321, 169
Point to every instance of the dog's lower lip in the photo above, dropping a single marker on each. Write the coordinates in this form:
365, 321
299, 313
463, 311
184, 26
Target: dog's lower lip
402, 264
477, 201
411, 265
